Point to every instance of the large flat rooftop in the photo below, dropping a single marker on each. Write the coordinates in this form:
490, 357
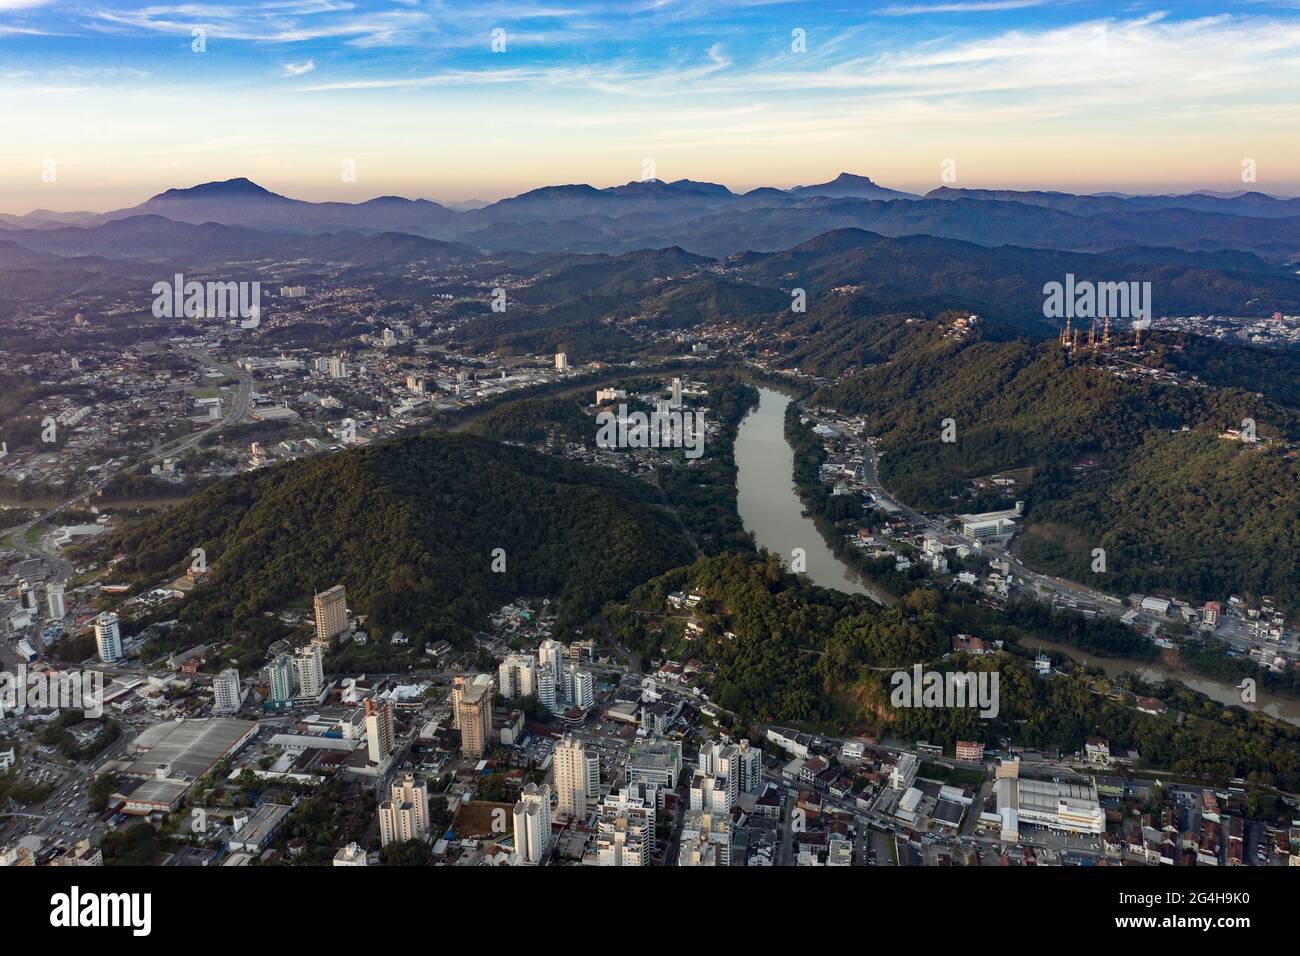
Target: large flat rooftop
188, 747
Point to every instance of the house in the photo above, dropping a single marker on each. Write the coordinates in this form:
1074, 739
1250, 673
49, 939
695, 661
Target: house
970, 750
1097, 750
1152, 705
970, 644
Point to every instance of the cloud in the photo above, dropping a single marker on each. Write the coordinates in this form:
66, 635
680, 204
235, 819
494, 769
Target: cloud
277, 21
299, 69
974, 6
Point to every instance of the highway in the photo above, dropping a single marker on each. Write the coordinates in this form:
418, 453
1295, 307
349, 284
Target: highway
60, 570
1040, 585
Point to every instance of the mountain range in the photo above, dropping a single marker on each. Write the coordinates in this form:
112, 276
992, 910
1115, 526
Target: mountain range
711, 220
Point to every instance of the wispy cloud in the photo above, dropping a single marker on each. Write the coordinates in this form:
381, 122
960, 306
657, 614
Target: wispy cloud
975, 6
290, 21
299, 69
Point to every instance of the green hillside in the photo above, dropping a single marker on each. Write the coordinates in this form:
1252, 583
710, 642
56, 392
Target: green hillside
1131, 464
409, 527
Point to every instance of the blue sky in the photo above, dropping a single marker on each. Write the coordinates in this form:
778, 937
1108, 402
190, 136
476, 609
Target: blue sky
1136, 96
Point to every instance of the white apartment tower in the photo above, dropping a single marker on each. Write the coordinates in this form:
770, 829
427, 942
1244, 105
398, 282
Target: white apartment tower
551, 661
309, 662
532, 819
406, 816
626, 835
108, 638
706, 839
54, 600
517, 676
711, 794
579, 688
546, 689
226, 692
740, 763
561, 362
571, 777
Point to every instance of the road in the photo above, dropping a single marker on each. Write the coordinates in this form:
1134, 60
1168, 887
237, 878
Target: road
60, 570
238, 411
1042, 586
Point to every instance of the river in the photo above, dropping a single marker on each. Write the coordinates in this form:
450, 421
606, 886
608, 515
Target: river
770, 506
1283, 708
771, 509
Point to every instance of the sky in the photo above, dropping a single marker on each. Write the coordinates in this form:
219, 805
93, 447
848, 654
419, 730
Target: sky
104, 103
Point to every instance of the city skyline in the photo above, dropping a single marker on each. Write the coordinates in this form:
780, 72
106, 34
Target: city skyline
428, 101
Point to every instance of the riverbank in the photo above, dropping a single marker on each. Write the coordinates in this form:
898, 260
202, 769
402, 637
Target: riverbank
808, 455
770, 506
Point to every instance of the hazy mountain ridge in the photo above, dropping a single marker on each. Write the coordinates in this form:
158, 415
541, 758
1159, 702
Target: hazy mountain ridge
710, 219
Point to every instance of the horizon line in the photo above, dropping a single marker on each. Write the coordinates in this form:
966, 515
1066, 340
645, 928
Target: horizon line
1117, 192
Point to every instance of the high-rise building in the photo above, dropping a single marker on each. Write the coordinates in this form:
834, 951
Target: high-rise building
406, 816
458, 687
532, 819
551, 653
331, 614
626, 833
476, 720
551, 656
338, 367
571, 782
676, 401
656, 762
561, 362
518, 676
108, 638
580, 687
309, 663
283, 679
546, 690
351, 855
710, 793
227, 692
706, 839
54, 600
740, 764
593, 776
380, 736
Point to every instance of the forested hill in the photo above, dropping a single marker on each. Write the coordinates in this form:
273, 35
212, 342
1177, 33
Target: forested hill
1133, 464
776, 648
409, 527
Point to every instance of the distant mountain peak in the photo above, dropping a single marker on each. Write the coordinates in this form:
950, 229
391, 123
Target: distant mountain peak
852, 185
239, 188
